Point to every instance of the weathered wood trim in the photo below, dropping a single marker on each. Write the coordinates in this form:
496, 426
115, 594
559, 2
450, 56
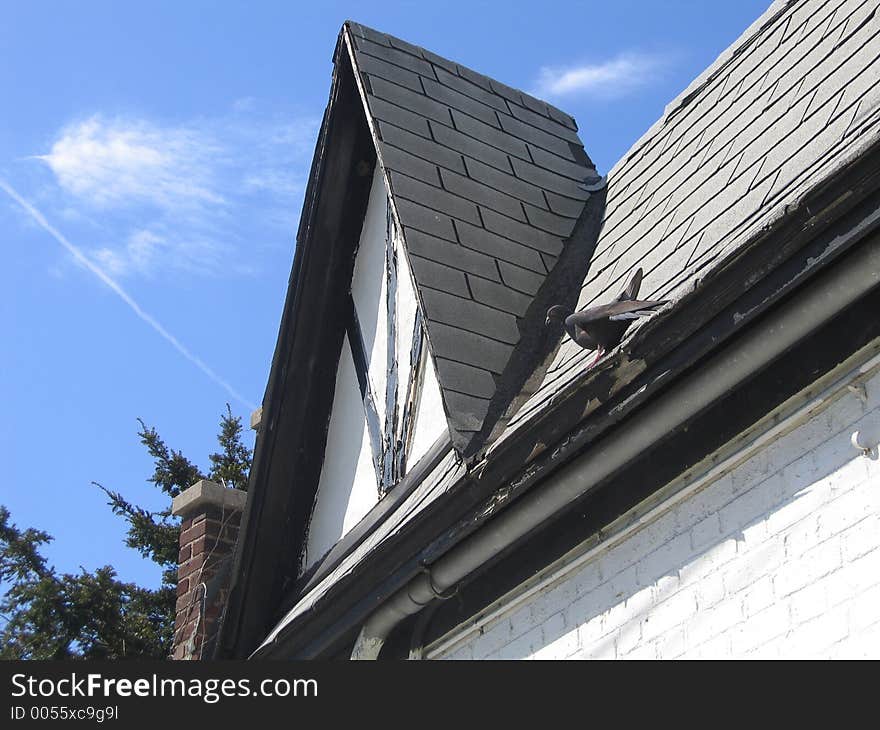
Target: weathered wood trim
371, 415
417, 365
390, 474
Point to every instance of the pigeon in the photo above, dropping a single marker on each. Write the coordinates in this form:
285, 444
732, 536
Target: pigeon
601, 328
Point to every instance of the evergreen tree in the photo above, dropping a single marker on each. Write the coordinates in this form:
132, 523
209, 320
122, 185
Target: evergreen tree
50, 615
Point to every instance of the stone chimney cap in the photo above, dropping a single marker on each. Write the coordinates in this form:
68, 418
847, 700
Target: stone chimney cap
205, 493
257, 419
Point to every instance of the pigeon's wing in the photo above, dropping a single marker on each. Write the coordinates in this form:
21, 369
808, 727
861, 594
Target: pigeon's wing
614, 309
630, 315
632, 289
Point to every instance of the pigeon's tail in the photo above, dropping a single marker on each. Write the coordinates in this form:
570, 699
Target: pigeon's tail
632, 289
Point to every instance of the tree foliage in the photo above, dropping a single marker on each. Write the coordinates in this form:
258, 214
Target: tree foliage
88, 615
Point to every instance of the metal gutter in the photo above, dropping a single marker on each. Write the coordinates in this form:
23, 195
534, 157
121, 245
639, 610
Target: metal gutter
797, 410
842, 285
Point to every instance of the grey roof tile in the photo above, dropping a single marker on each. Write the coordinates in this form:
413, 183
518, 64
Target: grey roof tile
499, 296
470, 89
520, 279
549, 261
554, 223
363, 31
401, 161
544, 123
470, 146
434, 197
560, 166
462, 102
420, 147
452, 254
405, 46
503, 140
508, 92
399, 117
462, 346
390, 72
467, 411
466, 378
476, 78
495, 178
523, 233
537, 137
503, 249
487, 196
563, 205
471, 316
552, 178
439, 276
559, 115
439, 62
424, 219
537, 106
409, 100
396, 56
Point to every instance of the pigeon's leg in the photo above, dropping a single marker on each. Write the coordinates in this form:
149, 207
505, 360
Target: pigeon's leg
599, 352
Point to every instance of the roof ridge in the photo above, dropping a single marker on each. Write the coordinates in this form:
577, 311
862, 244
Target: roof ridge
517, 96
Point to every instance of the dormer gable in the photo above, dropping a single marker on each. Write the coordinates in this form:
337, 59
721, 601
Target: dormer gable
497, 206
445, 212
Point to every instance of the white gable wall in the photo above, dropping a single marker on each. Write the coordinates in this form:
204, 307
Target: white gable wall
777, 557
369, 291
348, 487
430, 419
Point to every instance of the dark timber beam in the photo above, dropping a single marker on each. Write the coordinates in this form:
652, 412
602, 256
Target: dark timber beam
374, 428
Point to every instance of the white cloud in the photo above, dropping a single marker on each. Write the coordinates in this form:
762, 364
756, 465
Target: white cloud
180, 197
148, 252
616, 77
119, 162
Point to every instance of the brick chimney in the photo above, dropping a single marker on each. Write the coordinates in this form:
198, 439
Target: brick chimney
211, 517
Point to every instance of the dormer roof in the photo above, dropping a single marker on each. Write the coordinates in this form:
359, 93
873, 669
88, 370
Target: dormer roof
499, 208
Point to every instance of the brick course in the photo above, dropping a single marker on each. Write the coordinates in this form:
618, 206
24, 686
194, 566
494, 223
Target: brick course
207, 539
780, 557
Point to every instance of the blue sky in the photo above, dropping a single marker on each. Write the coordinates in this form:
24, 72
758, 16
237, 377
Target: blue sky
153, 158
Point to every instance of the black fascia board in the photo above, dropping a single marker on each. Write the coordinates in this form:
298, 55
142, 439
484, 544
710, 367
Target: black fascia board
289, 448
828, 220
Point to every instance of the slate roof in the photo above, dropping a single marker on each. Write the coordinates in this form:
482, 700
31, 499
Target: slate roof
784, 107
787, 104
488, 184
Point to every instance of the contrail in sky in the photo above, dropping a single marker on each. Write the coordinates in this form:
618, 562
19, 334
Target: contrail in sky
122, 294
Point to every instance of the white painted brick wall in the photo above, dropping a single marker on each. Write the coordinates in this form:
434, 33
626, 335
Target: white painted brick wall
780, 557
